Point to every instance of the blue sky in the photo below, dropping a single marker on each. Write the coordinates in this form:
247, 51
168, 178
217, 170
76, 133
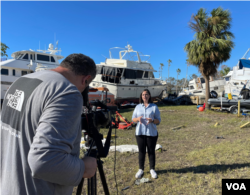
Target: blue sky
159, 29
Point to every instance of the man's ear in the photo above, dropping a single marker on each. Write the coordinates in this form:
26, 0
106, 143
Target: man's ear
86, 80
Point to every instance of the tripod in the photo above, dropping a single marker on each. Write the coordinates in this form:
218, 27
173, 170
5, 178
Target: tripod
92, 190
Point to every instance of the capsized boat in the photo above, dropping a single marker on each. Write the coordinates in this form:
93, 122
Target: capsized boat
197, 87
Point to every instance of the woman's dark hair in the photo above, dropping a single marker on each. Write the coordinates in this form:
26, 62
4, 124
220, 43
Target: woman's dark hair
140, 99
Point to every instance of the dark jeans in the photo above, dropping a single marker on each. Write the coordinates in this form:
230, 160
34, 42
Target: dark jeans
144, 141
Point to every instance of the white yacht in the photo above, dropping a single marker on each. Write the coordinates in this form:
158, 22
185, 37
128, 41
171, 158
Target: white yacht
127, 76
197, 87
27, 61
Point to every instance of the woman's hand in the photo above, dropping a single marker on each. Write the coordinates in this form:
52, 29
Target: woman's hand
140, 119
149, 120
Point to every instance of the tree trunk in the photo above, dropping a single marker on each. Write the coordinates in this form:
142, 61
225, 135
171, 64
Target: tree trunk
176, 84
207, 90
169, 90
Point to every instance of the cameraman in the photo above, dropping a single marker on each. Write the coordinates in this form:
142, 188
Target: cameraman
41, 130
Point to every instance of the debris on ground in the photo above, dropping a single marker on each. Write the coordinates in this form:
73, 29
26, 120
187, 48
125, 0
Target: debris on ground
167, 110
112, 136
176, 128
130, 148
219, 137
245, 125
142, 180
125, 188
216, 124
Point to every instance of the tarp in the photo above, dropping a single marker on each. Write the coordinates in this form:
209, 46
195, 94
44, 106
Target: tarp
244, 63
122, 148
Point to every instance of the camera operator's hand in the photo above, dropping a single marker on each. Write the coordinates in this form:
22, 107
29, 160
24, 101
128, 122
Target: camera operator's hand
90, 166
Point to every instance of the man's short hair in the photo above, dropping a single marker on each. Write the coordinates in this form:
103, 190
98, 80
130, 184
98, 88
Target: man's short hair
80, 64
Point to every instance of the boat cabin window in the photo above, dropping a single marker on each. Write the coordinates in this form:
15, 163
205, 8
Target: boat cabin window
19, 56
191, 87
31, 56
14, 72
202, 80
110, 74
24, 72
52, 59
4, 71
139, 74
151, 75
130, 74
146, 74
26, 56
226, 78
236, 83
42, 57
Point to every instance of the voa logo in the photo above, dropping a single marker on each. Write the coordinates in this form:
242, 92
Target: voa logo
236, 186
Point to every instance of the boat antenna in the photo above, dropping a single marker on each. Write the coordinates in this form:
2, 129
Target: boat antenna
104, 56
245, 54
57, 46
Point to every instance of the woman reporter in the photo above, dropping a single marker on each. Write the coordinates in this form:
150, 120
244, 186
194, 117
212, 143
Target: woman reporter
147, 116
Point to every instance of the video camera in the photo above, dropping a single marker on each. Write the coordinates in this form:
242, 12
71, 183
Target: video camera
95, 115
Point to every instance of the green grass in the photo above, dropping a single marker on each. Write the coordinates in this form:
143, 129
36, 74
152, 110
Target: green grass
193, 161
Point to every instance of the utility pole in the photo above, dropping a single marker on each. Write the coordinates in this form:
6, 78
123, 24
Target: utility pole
169, 61
160, 73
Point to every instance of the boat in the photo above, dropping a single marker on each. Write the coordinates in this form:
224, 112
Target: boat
234, 86
127, 76
238, 86
25, 62
197, 87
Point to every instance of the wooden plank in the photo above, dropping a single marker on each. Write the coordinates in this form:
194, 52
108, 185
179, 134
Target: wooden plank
244, 125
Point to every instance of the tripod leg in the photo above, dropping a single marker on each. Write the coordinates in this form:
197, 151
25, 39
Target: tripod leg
79, 189
102, 176
92, 185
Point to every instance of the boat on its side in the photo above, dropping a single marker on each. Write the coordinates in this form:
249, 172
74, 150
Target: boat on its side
197, 87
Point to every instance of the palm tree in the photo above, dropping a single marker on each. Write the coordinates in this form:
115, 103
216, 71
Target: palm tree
212, 44
161, 64
224, 70
178, 72
169, 61
186, 73
3, 49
